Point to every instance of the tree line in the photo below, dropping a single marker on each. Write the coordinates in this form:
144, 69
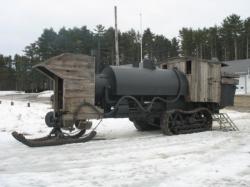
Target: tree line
228, 41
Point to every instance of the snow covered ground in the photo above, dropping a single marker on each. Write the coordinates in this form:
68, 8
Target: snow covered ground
43, 97
46, 94
126, 158
4, 93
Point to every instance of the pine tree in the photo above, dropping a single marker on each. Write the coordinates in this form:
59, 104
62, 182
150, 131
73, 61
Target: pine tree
187, 43
247, 35
148, 38
232, 29
174, 50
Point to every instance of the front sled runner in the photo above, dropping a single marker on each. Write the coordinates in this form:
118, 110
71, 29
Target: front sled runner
56, 138
73, 101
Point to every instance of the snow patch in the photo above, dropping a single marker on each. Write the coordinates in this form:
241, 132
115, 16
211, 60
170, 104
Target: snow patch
5, 93
21, 118
47, 93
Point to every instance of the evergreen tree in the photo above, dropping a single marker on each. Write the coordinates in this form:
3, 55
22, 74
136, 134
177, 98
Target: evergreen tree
231, 30
247, 35
147, 43
174, 50
47, 44
161, 47
187, 43
99, 32
129, 45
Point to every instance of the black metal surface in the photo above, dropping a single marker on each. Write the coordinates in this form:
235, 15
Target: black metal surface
227, 95
52, 141
182, 122
148, 64
144, 82
49, 119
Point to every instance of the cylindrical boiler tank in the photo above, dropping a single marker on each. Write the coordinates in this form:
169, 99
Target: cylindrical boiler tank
126, 80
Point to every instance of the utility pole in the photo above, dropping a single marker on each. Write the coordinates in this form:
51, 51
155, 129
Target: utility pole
247, 47
98, 54
141, 34
117, 60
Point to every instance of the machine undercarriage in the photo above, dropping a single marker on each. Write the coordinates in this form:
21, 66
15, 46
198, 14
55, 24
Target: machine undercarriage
145, 118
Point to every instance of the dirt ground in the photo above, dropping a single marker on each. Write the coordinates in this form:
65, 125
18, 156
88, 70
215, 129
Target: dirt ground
242, 101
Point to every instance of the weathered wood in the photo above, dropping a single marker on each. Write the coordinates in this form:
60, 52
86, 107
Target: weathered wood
189, 78
84, 109
215, 82
77, 73
72, 84
204, 80
56, 97
75, 101
79, 86
82, 116
229, 75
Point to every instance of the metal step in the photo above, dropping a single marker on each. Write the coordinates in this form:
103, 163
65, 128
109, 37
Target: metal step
225, 122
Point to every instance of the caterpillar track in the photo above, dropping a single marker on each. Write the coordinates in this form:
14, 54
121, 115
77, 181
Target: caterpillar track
183, 122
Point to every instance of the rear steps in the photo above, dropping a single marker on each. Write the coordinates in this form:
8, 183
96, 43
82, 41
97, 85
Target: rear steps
225, 122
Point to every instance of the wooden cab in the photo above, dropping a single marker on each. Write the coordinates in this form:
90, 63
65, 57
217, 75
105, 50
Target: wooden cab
74, 84
204, 77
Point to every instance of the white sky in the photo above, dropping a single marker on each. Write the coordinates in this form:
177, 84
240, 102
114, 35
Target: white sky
22, 21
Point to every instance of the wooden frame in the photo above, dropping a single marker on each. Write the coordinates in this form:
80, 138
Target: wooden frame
74, 84
204, 78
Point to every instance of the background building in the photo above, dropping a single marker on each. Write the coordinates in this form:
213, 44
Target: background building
242, 68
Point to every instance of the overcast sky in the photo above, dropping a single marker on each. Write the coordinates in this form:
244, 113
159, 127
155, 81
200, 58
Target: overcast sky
22, 21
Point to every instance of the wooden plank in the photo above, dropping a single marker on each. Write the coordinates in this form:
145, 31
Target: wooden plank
70, 68
182, 66
195, 76
75, 101
82, 116
203, 82
218, 83
206, 82
70, 65
85, 109
55, 102
215, 83
74, 74
229, 75
66, 57
81, 95
79, 85
85, 112
189, 78
84, 87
